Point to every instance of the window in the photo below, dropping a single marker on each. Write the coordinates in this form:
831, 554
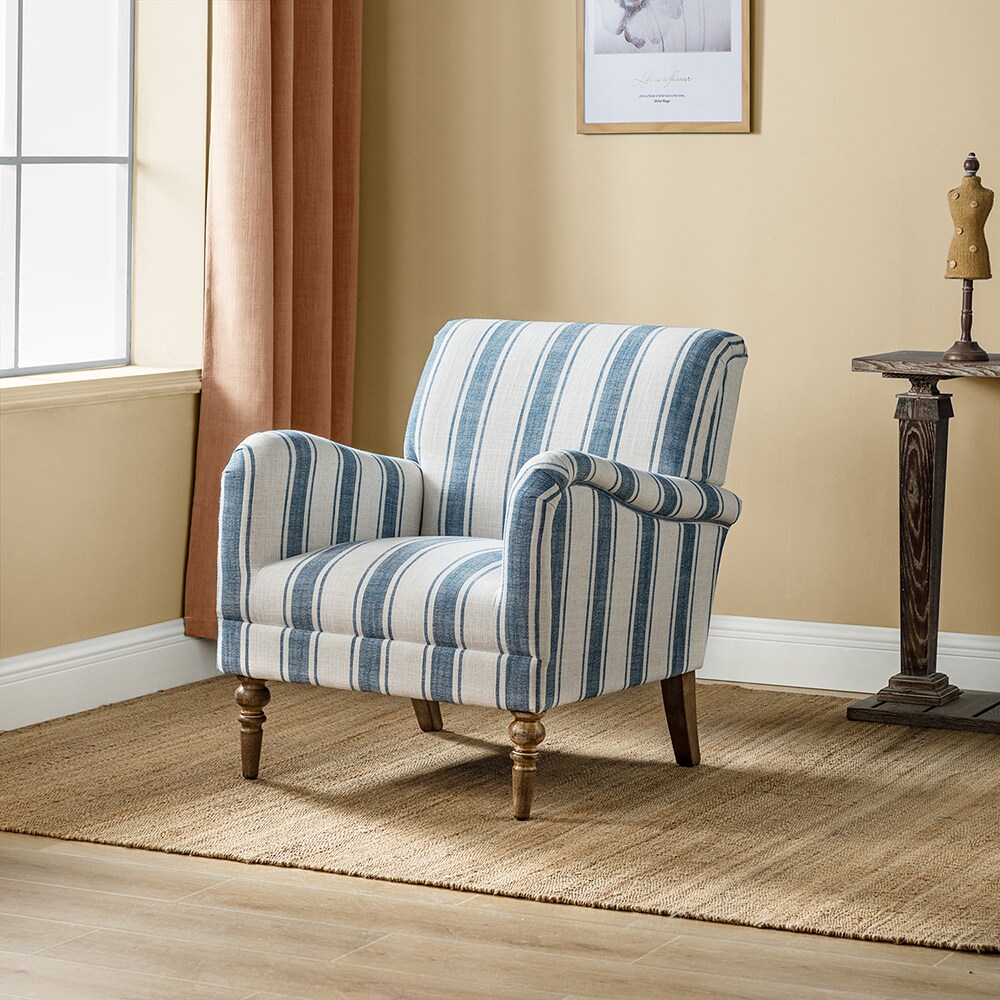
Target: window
65, 184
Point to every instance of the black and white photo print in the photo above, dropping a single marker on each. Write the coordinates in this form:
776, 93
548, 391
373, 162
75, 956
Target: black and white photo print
626, 27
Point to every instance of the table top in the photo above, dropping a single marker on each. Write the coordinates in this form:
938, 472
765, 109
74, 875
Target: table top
903, 363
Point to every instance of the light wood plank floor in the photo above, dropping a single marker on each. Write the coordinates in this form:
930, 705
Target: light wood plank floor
81, 921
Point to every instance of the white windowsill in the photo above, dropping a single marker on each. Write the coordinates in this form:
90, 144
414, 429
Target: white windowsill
97, 385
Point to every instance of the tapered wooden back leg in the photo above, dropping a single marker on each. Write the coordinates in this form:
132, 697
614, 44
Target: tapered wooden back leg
252, 695
526, 733
428, 715
682, 718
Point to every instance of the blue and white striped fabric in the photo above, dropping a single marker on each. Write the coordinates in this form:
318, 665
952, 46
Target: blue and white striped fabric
285, 492
554, 533
495, 393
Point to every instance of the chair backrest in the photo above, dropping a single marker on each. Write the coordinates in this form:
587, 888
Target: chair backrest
495, 393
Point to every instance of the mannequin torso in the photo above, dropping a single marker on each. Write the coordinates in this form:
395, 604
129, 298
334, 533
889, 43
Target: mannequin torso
970, 204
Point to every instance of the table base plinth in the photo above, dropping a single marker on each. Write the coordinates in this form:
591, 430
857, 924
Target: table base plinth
919, 689
978, 711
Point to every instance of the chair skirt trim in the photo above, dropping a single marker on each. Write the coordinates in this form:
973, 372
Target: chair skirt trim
383, 666
391, 666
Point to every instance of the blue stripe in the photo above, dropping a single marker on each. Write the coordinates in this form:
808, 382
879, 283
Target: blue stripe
245, 604
442, 674
564, 381
444, 471
230, 527
517, 684
390, 601
599, 383
230, 660
642, 605
536, 416
681, 416
428, 616
564, 600
370, 602
654, 577
623, 419
708, 379
519, 557
284, 504
389, 521
305, 587
459, 660
661, 427
281, 653
467, 504
560, 555
606, 415
447, 630
684, 573
298, 655
713, 438
603, 565
369, 657
463, 433
350, 471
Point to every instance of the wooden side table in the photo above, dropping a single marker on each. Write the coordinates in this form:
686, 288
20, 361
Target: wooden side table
919, 695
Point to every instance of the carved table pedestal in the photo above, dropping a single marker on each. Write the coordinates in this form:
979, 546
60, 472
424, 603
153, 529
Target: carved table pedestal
919, 695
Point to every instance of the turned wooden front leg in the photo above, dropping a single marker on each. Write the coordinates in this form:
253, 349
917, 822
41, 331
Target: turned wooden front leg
252, 695
923, 416
526, 733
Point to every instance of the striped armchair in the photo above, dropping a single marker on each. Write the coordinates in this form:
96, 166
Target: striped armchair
553, 534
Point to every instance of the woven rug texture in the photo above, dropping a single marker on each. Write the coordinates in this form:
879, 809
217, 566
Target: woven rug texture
796, 819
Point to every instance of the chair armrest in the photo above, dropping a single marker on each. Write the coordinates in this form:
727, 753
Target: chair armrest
546, 547
547, 476
287, 492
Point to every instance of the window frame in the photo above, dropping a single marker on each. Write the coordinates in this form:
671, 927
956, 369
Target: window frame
18, 160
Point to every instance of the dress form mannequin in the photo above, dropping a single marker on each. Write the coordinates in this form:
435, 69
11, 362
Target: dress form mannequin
968, 256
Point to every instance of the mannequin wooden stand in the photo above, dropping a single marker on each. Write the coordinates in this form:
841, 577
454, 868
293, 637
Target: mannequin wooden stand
919, 695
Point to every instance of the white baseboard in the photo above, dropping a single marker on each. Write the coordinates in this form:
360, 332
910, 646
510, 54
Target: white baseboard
64, 679
835, 657
61, 680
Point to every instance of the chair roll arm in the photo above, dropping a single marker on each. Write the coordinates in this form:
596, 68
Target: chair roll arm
287, 492
547, 476
542, 533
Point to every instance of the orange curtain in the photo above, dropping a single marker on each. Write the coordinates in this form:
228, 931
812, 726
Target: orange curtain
281, 243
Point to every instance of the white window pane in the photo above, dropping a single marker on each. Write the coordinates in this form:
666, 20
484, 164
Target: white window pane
8, 182
8, 78
72, 302
74, 88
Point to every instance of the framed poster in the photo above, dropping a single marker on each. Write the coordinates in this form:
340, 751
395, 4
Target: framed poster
663, 66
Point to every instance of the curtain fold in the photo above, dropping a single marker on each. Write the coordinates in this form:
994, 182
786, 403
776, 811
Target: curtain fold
281, 244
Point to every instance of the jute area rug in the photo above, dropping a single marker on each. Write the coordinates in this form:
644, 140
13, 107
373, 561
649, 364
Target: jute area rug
797, 819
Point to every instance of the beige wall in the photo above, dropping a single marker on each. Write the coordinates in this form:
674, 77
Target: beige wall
94, 502
95, 499
819, 237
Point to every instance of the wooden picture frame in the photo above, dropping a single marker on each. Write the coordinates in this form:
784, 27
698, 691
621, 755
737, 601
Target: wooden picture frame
680, 90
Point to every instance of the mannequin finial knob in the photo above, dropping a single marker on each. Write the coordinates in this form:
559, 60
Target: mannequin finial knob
971, 165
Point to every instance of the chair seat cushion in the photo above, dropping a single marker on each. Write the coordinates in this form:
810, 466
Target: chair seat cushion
441, 591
